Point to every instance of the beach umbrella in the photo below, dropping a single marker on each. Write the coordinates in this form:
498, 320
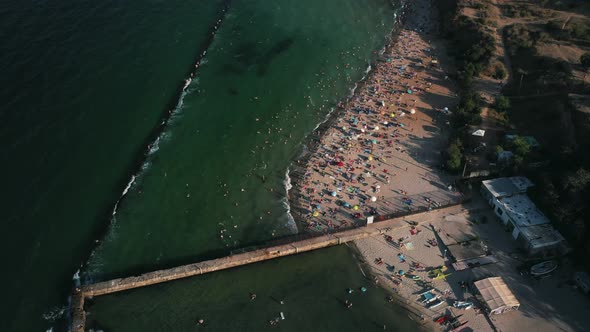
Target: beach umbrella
316, 213
370, 157
392, 115
356, 207
378, 186
333, 194
362, 130
412, 111
377, 128
346, 205
401, 272
319, 207
343, 127
340, 164
409, 91
373, 199
374, 141
385, 123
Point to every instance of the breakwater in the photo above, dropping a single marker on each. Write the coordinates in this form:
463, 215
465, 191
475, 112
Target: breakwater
296, 246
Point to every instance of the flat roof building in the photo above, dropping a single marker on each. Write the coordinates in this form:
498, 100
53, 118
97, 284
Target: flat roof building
504, 187
523, 219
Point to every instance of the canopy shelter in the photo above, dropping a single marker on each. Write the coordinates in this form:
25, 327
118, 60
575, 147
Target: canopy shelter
479, 132
496, 295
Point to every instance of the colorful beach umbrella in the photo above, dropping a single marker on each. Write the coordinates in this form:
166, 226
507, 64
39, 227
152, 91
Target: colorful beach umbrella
356, 207
333, 194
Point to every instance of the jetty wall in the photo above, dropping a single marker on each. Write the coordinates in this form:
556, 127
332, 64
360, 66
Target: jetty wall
195, 269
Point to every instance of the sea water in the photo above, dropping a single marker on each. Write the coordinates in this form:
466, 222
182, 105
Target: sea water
92, 179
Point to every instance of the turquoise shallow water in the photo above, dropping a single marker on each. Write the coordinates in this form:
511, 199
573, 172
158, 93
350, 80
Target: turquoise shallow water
85, 84
271, 75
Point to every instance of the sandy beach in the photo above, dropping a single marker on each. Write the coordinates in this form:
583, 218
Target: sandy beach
381, 154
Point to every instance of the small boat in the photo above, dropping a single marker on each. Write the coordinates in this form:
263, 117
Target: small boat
442, 319
543, 268
435, 303
429, 297
463, 305
426, 291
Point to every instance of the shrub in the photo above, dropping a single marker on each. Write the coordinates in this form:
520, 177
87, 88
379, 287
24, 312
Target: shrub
502, 104
455, 156
499, 72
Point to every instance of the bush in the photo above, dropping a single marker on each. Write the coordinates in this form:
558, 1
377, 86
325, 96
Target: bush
455, 156
520, 147
499, 72
502, 104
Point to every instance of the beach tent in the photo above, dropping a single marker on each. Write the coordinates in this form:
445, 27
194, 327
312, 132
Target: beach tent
479, 132
496, 295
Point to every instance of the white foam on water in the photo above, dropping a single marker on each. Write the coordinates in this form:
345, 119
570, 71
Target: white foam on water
290, 220
326, 118
54, 313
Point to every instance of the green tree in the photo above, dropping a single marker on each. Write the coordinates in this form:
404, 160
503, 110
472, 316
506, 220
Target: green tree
578, 181
521, 147
455, 156
502, 104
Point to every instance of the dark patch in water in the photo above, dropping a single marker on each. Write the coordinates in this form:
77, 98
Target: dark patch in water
249, 54
232, 91
281, 47
265, 60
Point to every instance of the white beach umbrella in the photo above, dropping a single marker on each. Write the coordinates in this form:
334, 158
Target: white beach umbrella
373, 199
412, 111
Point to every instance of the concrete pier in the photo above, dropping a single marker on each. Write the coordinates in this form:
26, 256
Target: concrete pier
190, 270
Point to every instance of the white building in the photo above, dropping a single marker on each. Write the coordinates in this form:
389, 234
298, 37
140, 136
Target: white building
528, 225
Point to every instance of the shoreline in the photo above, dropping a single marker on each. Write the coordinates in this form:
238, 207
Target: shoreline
414, 313
304, 171
313, 139
300, 167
